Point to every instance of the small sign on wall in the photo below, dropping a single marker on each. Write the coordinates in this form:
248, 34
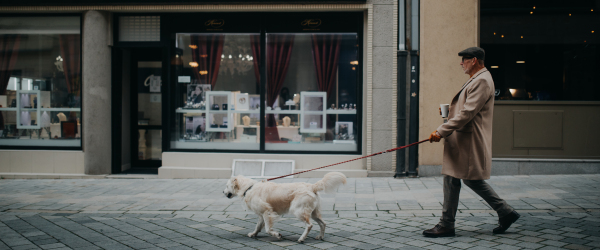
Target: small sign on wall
154, 83
155, 98
184, 79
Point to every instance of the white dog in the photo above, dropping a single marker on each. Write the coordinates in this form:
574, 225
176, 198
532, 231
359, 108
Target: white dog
270, 200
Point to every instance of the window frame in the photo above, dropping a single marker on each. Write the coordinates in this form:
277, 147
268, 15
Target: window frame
57, 148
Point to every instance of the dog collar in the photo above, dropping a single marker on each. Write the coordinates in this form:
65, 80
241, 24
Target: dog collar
247, 190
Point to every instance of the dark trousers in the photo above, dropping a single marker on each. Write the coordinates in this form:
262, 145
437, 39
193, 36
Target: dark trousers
452, 192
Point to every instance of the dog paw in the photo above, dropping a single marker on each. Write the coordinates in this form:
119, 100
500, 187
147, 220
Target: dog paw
301, 241
279, 236
251, 235
319, 237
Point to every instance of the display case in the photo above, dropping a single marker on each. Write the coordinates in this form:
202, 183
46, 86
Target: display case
313, 112
219, 105
28, 109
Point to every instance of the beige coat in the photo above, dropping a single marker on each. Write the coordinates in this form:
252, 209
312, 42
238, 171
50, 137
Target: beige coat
468, 132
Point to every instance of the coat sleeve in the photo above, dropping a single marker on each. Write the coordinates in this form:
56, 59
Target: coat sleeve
478, 93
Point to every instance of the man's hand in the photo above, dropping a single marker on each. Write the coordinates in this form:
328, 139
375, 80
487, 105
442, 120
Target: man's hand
440, 110
435, 137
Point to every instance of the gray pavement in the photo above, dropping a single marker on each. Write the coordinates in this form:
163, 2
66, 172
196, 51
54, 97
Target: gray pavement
558, 212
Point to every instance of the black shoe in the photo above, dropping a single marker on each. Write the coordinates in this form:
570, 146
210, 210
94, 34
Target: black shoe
439, 231
505, 222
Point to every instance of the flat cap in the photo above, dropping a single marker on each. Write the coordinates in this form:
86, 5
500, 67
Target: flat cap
473, 52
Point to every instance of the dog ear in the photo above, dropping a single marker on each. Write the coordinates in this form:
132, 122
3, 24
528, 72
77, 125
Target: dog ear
234, 181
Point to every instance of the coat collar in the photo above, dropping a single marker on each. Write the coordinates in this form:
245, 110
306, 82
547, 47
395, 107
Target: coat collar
481, 71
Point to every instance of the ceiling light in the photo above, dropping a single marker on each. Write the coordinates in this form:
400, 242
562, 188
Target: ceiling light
531, 12
354, 62
494, 67
194, 64
512, 91
203, 72
494, 33
520, 61
534, 7
569, 14
194, 46
502, 36
521, 36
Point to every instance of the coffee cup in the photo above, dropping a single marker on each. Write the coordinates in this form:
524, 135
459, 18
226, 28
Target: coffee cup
444, 108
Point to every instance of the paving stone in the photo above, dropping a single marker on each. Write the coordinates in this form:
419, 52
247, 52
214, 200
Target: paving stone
199, 217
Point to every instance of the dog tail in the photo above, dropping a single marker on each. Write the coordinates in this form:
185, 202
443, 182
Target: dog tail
330, 182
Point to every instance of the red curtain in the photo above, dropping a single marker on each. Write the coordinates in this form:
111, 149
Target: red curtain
9, 50
279, 52
207, 53
70, 49
255, 45
326, 54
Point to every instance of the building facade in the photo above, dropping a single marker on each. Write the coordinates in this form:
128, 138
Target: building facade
207, 90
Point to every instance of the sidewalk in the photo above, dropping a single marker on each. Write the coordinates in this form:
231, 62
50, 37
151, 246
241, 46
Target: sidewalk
558, 212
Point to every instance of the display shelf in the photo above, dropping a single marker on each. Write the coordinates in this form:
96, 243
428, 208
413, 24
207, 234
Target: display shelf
202, 111
311, 103
20, 109
192, 111
210, 95
8, 109
61, 109
313, 112
254, 111
341, 112
283, 111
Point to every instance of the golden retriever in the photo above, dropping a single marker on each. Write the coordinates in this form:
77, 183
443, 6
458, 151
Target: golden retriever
270, 200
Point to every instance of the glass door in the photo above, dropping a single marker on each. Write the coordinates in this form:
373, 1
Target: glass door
146, 109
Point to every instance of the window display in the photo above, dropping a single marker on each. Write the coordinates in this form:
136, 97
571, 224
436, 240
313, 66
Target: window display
269, 92
306, 74
40, 86
221, 104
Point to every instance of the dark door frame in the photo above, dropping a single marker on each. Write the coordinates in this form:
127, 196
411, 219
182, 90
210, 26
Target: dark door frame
137, 54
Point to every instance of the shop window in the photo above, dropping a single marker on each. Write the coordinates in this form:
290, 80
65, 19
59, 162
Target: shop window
311, 94
217, 91
544, 50
40, 81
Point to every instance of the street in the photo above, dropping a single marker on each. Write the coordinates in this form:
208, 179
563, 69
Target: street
557, 212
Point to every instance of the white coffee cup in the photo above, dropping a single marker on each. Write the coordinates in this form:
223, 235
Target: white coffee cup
444, 108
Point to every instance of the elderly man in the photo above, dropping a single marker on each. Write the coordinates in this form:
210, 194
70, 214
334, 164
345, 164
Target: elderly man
468, 146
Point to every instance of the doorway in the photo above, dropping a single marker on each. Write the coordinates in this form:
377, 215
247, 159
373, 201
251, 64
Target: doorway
138, 89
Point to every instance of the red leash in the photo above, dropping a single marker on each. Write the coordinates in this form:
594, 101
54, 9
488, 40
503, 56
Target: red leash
382, 152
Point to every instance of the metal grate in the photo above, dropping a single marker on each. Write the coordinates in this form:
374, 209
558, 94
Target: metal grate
139, 29
255, 168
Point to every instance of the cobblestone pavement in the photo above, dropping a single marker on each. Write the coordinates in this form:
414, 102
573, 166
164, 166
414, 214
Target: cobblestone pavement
558, 212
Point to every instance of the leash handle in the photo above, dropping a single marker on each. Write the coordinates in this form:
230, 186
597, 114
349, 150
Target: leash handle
366, 156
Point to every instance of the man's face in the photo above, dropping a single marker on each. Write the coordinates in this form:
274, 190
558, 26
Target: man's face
467, 64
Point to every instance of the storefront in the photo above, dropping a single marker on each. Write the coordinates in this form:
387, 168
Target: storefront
195, 91
192, 83
205, 89
543, 57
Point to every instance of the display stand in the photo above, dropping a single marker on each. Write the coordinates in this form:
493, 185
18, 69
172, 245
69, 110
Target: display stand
312, 112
